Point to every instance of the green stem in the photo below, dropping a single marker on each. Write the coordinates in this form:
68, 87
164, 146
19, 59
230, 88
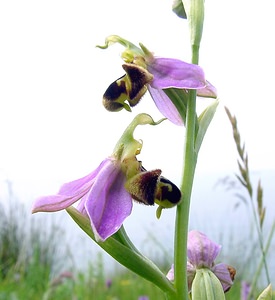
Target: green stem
262, 262
182, 215
260, 238
195, 54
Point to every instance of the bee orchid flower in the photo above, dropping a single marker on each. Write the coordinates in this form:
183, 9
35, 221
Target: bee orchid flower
144, 71
202, 253
105, 195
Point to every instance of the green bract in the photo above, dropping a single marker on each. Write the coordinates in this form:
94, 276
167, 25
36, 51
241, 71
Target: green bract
206, 286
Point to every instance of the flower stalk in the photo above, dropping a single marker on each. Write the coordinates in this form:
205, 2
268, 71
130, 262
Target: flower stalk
189, 161
182, 216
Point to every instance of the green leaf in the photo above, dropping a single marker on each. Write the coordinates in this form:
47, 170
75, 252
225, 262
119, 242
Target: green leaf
204, 120
179, 98
216, 287
125, 253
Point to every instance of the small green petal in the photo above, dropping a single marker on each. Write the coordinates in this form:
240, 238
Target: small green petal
131, 50
127, 146
112, 39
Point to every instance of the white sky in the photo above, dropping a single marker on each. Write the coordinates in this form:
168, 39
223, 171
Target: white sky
53, 127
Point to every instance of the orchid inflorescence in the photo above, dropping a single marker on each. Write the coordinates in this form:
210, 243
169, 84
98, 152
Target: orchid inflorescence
101, 201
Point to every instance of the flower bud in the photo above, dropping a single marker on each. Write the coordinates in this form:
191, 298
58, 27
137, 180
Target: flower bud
266, 294
195, 15
206, 286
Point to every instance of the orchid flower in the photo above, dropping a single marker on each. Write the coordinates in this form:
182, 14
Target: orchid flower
105, 195
245, 289
146, 71
143, 297
202, 253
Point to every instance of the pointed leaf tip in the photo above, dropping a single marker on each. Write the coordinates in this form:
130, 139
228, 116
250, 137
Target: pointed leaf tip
178, 9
